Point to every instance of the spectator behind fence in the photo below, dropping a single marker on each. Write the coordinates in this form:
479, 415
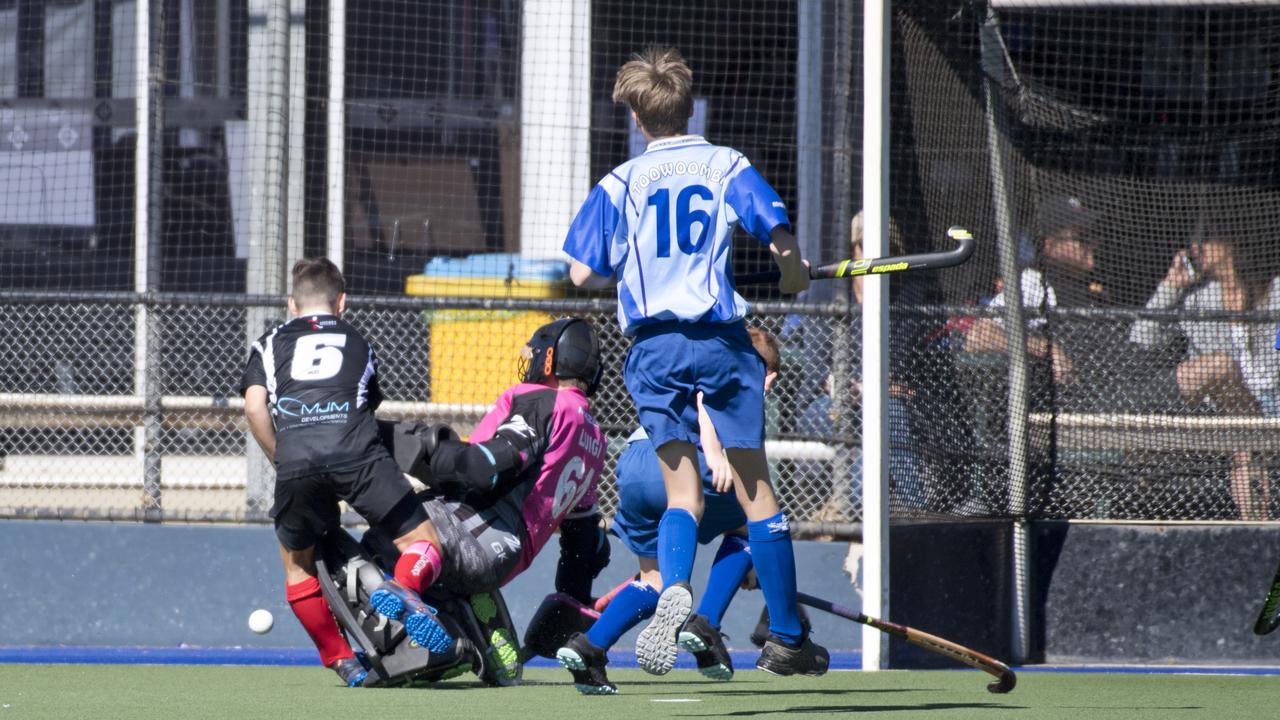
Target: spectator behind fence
917, 389
1230, 365
1075, 365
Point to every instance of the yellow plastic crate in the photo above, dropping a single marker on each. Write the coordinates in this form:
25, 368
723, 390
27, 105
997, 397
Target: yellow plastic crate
474, 353
427, 286
473, 359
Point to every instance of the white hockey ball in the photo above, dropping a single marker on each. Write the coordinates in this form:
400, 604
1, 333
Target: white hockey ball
261, 621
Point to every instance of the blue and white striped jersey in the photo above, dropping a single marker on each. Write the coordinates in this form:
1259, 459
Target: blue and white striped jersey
663, 223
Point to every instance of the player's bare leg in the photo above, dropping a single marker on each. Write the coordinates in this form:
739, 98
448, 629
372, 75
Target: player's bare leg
585, 653
302, 590
421, 561
788, 650
1250, 489
680, 476
1217, 377
656, 646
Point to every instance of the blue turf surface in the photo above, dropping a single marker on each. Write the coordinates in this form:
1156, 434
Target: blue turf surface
45, 654
625, 658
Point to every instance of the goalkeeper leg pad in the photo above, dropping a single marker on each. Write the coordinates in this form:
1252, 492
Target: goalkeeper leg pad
554, 622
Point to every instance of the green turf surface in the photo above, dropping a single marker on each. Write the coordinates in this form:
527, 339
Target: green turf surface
145, 692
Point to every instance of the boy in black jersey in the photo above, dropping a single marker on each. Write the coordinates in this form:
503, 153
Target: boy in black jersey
310, 389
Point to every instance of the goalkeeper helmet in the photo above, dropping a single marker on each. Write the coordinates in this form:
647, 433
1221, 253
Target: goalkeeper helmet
565, 349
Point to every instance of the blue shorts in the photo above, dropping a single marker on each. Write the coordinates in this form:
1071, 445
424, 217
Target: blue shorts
642, 498
1270, 404
670, 362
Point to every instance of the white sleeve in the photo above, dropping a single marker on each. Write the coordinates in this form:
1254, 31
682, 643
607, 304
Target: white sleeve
1259, 371
1259, 361
1153, 333
1032, 291
1035, 295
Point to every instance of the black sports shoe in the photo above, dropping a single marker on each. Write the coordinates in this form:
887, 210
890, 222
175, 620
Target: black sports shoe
780, 658
351, 672
761, 633
707, 645
586, 662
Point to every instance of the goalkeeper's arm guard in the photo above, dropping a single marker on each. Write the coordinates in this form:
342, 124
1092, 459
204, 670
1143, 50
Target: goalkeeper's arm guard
482, 467
413, 444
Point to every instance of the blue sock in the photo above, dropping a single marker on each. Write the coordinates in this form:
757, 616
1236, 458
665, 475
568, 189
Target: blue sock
633, 603
732, 563
775, 564
677, 545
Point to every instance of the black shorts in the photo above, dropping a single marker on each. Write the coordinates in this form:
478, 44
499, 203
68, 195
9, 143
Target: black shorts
307, 506
481, 548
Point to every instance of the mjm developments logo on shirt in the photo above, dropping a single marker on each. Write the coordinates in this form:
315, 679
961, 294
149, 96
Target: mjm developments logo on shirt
324, 411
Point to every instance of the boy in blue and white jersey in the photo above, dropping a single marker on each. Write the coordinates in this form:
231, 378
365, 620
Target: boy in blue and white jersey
642, 501
661, 226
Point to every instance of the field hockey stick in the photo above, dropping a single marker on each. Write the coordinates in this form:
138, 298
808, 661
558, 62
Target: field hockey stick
881, 265
1267, 618
1005, 678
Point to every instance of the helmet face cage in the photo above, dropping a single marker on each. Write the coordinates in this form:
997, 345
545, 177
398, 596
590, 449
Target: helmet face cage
566, 349
523, 366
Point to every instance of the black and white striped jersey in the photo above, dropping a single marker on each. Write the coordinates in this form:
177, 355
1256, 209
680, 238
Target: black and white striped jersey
321, 377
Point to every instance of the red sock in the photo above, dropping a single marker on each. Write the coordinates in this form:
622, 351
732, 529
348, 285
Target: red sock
314, 614
419, 566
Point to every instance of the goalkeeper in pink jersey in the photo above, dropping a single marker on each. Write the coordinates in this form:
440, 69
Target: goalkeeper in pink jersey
531, 466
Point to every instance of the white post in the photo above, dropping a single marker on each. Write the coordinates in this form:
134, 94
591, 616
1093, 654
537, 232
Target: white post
268, 123
555, 118
142, 166
808, 211
148, 156
295, 228
336, 155
222, 30
187, 137
141, 209
268, 109
993, 60
875, 326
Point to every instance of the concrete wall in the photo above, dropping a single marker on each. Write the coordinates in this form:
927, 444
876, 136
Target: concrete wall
952, 580
103, 584
1153, 593
1103, 593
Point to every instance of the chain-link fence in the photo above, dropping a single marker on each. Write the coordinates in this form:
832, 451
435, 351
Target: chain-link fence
1120, 440
157, 147
77, 407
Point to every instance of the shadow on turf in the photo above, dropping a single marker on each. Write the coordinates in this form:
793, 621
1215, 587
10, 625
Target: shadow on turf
815, 691
863, 709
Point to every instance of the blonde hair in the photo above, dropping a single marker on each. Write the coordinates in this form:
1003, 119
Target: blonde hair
657, 85
897, 246
767, 347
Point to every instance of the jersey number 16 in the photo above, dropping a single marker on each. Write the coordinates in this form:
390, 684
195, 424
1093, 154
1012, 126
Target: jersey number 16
685, 217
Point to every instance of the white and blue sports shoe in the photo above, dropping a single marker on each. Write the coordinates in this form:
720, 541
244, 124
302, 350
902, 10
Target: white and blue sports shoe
656, 646
352, 672
399, 603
